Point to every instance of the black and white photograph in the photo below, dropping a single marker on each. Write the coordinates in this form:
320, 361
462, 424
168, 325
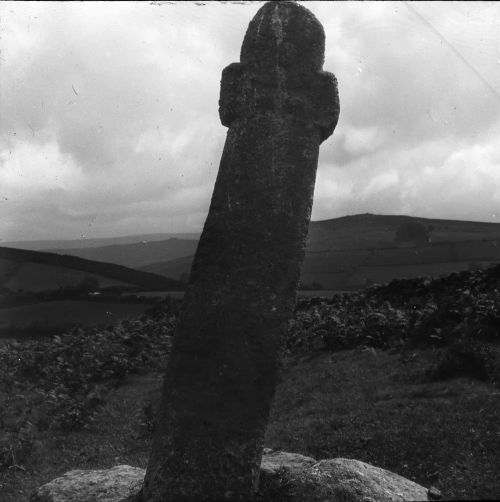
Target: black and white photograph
249, 251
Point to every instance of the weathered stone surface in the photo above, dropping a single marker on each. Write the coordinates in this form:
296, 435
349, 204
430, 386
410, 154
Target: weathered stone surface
294, 462
221, 377
106, 485
434, 493
297, 478
294, 477
352, 480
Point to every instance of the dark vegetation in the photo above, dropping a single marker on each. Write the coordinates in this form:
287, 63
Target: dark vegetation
404, 376
456, 309
57, 383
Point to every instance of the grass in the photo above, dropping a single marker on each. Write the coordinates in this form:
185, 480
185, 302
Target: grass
379, 407
382, 408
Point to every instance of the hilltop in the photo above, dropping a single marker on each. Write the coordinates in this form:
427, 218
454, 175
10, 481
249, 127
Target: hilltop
365, 231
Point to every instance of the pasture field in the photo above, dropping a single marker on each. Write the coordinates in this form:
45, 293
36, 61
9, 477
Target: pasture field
67, 313
354, 269
358, 277
42, 277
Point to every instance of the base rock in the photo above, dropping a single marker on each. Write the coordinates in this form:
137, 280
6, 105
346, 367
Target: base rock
289, 476
106, 485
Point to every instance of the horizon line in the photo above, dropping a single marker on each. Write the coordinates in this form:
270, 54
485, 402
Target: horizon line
198, 232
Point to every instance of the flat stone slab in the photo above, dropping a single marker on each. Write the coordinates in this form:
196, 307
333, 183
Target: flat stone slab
301, 478
104, 485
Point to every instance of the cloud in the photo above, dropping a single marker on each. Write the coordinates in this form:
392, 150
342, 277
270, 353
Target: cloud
435, 179
115, 93
396, 75
109, 119
34, 167
417, 128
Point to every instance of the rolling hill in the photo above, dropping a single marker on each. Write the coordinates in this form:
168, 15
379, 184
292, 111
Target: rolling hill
41, 271
136, 254
344, 253
367, 231
175, 269
46, 245
355, 251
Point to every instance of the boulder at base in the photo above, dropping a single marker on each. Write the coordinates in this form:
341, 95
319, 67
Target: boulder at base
290, 476
302, 478
105, 485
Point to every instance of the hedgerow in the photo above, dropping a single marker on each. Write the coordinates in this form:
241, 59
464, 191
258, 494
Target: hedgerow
459, 308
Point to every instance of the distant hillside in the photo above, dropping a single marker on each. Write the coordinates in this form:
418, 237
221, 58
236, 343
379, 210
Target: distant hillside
47, 245
39, 271
137, 254
176, 269
367, 231
342, 253
355, 251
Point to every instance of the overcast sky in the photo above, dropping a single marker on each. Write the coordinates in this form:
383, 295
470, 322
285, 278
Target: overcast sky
109, 113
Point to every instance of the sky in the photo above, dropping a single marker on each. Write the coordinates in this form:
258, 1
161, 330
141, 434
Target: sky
109, 113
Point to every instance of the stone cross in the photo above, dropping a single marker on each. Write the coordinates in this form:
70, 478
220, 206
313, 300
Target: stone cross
220, 381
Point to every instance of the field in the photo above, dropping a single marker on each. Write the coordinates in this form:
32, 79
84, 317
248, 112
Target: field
379, 407
354, 269
33, 271
41, 277
59, 315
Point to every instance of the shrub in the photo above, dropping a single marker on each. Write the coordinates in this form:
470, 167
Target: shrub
59, 382
467, 358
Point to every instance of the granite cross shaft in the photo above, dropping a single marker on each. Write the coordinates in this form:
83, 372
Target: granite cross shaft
224, 366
